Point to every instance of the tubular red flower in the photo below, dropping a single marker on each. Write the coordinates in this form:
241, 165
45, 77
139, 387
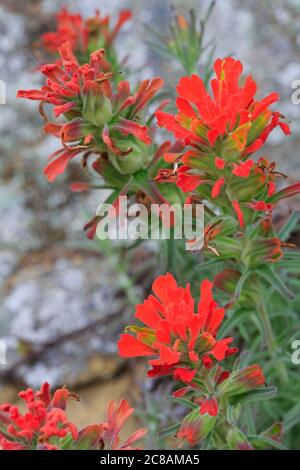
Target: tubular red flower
64, 82
220, 163
243, 380
187, 181
261, 206
59, 162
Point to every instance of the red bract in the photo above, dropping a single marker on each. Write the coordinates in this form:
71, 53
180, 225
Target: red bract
99, 121
45, 425
181, 341
223, 129
81, 33
230, 118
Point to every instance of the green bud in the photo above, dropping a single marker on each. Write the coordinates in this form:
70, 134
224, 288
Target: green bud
237, 440
97, 110
135, 161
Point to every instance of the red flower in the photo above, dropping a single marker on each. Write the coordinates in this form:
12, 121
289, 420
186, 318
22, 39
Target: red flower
261, 206
45, 419
180, 340
99, 120
81, 33
45, 424
66, 82
195, 427
223, 128
230, 117
186, 180
71, 28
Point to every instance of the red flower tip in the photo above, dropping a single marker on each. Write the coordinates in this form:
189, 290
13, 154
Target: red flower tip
229, 116
210, 406
80, 187
187, 181
243, 169
261, 206
238, 212
217, 187
219, 163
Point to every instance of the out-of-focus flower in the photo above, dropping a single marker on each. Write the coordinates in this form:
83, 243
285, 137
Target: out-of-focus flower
117, 415
182, 341
85, 36
44, 420
45, 425
99, 120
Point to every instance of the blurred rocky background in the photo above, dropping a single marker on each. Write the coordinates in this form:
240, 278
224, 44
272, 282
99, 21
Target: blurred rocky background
64, 299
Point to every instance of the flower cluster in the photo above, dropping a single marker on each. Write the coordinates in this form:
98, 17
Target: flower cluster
222, 131
99, 120
45, 425
183, 341
86, 36
184, 345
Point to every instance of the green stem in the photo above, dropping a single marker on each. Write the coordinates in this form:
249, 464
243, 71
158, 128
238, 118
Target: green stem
267, 328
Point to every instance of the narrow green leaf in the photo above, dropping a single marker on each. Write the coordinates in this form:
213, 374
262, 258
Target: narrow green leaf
267, 440
289, 226
267, 273
207, 264
169, 431
255, 395
290, 191
183, 402
241, 282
